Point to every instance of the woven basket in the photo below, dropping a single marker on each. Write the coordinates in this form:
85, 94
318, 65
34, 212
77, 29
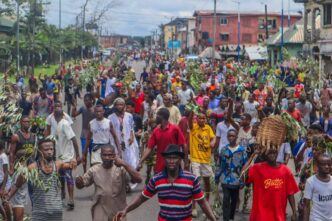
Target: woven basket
271, 133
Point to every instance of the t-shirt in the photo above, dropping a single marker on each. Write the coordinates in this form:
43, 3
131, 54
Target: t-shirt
64, 146
305, 110
251, 108
26, 107
50, 121
176, 196
296, 114
185, 96
221, 132
161, 138
320, 193
200, 148
285, 148
271, 187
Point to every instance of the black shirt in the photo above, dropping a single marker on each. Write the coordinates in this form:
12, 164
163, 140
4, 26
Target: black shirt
26, 107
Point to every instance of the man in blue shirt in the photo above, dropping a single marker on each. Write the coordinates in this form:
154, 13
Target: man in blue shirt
232, 159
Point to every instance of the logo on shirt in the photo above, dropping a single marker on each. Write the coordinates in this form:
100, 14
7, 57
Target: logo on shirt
275, 184
324, 198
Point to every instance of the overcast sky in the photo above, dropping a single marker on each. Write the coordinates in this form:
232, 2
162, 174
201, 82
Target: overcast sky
140, 17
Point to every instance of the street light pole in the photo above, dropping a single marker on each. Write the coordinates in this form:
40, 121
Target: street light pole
83, 28
239, 31
60, 54
282, 30
288, 20
17, 36
214, 31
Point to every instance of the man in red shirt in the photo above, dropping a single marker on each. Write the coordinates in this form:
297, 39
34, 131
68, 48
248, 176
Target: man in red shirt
295, 113
260, 95
163, 135
273, 185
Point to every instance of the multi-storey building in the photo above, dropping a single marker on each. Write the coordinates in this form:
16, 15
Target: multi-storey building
252, 27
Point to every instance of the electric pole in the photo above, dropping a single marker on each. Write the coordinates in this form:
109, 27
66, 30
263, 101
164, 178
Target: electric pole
17, 36
214, 31
266, 24
60, 53
83, 27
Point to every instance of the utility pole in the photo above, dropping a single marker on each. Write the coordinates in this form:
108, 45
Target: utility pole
266, 23
60, 53
34, 9
83, 27
214, 31
17, 36
288, 20
282, 30
238, 30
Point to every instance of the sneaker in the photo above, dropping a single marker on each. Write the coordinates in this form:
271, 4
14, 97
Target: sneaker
194, 213
70, 205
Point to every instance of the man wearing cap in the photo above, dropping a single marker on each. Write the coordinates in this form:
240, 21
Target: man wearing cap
176, 190
163, 135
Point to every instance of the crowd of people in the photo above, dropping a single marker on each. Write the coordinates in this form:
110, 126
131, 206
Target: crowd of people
184, 135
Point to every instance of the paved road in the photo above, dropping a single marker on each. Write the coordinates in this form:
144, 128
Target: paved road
83, 198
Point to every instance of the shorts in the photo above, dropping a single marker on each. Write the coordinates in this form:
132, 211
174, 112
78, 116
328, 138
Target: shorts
66, 176
83, 141
20, 197
201, 169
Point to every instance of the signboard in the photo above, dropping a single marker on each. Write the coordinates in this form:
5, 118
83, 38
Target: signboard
174, 44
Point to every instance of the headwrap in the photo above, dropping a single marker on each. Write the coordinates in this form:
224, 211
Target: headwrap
119, 99
168, 95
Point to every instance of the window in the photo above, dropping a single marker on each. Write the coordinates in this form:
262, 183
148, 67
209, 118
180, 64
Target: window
261, 23
260, 37
246, 22
272, 23
223, 20
205, 35
246, 38
224, 36
327, 14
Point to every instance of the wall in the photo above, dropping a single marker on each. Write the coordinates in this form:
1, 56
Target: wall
249, 28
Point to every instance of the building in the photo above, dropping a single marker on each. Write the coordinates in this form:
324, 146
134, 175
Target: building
6, 24
252, 28
176, 30
318, 32
293, 42
113, 41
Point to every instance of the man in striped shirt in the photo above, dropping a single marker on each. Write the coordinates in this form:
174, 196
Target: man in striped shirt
176, 190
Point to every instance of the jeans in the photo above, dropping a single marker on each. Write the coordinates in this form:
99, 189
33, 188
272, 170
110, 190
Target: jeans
231, 194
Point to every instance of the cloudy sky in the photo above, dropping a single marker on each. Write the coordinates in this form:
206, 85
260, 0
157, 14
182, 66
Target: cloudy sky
140, 17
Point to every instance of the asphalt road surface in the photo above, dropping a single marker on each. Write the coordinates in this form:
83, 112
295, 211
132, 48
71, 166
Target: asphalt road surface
147, 212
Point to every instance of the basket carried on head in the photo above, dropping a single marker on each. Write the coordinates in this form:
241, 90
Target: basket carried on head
271, 133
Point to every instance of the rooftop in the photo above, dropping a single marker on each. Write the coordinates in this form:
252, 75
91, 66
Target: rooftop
249, 13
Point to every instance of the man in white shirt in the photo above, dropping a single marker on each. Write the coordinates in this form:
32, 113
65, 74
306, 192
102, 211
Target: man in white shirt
250, 107
318, 192
284, 153
185, 95
66, 150
221, 134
